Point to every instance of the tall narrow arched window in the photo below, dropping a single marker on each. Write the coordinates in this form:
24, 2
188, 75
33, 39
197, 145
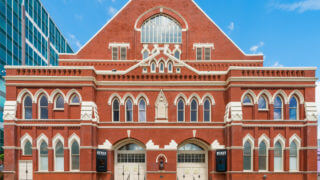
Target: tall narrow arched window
161, 67
262, 103
207, 110
170, 67
278, 106
59, 102
177, 54
43, 163
142, 111
293, 156
27, 106
194, 111
59, 157
293, 108
247, 156
161, 29
43, 107
129, 109
75, 156
153, 67
247, 100
262, 156
27, 149
278, 157
115, 110
180, 110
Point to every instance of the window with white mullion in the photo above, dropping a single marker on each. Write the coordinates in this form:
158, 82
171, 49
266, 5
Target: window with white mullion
207, 53
199, 53
123, 53
114, 53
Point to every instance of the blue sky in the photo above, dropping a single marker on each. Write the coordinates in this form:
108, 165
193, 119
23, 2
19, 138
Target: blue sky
287, 32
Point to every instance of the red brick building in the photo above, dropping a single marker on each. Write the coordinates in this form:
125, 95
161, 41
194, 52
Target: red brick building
161, 88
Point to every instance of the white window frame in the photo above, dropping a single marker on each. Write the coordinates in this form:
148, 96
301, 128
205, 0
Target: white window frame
55, 142
151, 67
113, 109
55, 102
250, 139
145, 110
23, 141
248, 104
72, 139
207, 99
184, 110
207, 48
264, 138
42, 138
39, 107
297, 140
279, 138
125, 53
75, 104
112, 51
267, 104
297, 108
170, 63
197, 110
23, 107
161, 70
131, 110
282, 104
199, 48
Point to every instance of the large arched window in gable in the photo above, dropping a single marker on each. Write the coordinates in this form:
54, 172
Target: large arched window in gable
161, 29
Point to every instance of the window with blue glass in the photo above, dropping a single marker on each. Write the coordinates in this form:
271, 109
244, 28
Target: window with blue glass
180, 110
293, 108
27, 106
43, 107
247, 100
262, 103
194, 111
278, 107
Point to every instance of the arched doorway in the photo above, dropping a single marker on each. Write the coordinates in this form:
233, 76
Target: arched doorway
192, 162
130, 162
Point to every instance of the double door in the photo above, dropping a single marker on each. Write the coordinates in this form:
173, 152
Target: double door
25, 170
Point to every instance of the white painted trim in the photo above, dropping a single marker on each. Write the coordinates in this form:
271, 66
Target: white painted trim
39, 105
203, 45
40, 139
162, 155
117, 45
22, 94
194, 96
142, 95
264, 138
283, 96
252, 95
210, 97
145, 110
119, 103
53, 96
125, 108
72, 138
182, 96
41, 92
71, 93
23, 140
250, 139
298, 94
197, 111
55, 140
126, 96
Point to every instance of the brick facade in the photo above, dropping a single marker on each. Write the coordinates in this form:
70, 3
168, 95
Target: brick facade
226, 80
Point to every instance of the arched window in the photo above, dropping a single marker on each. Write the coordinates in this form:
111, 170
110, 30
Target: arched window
170, 68
207, 110
247, 156
153, 67
129, 109
194, 111
180, 110
293, 108
75, 156
59, 157
161, 29
43, 163
191, 153
293, 156
161, 67
43, 107
75, 99
27, 149
262, 103
278, 106
59, 102
278, 157
145, 54
262, 156
115, 110
131, 153
142, 111
27, 106
177, 54
247, 100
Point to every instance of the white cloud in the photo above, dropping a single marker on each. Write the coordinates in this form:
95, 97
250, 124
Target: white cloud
277, 64
72, 39
301, 6
231, 26
255, 48
111, 10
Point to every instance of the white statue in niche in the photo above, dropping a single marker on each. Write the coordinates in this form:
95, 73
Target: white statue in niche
161, 107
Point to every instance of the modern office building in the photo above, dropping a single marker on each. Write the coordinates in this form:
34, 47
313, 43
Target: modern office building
160, 92
28, 36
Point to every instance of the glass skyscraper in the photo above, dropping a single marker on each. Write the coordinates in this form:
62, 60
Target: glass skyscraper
28, 36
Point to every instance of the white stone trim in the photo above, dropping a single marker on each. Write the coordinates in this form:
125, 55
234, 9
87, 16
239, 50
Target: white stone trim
55, 140
234, 109
151, 146
112, 97
203, 45
172, 145
53, 97
144, 96
283, 96
22, 94
23, 140
40, 139
297, 94
89, 111
106, 145
162, 155
125, 97
10, 110
71, 93
210, 97
267, 95
252, 94
126, 45
194, 96
250, 139
182, 96
74, 137
39, 93
281, 139
311, 111
216, 145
